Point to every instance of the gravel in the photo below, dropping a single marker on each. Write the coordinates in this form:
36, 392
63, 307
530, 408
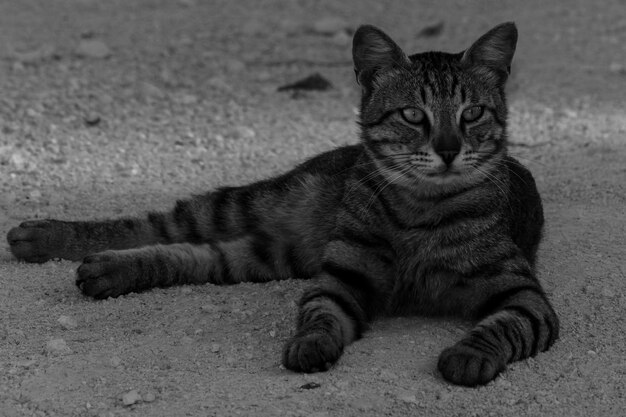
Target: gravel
68, 323
58, 347
131, 397
92, 48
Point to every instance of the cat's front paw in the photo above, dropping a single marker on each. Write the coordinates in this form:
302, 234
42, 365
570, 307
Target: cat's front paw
38, 240
106, 274
311, 352
464, 365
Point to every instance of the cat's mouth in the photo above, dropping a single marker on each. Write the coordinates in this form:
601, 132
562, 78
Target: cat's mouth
444, 172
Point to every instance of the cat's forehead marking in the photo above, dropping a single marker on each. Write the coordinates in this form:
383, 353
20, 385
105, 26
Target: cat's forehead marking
439, 75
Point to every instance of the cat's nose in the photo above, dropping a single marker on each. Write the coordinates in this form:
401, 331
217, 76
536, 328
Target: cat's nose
447, 147
448, 156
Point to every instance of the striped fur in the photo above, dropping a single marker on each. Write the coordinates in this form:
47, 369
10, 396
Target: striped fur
427, 215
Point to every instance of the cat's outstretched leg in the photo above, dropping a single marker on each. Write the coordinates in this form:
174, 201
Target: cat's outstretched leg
113, 273
194, 220
42, 240
352, 288
519, 323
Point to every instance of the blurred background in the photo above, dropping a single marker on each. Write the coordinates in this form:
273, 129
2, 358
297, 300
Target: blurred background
157, 92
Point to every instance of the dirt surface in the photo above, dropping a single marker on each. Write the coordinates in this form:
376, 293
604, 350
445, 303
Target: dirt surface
181, 97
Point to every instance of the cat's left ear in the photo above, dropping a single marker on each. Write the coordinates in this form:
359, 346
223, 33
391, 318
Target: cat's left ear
494, 49
374, 52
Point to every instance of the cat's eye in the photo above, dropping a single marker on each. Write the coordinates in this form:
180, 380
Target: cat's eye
472, 113
413, 115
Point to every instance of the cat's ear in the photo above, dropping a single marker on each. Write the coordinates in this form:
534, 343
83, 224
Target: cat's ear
494, 49
373, 52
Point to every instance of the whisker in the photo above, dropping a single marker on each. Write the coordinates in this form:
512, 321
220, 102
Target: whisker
379, 190
516, 155
497, 182
370, 175
502, 164
528, 159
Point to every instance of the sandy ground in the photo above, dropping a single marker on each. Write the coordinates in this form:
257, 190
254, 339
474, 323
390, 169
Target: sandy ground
187, 101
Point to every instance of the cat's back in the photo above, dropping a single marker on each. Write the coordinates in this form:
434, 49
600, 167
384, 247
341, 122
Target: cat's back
336, 162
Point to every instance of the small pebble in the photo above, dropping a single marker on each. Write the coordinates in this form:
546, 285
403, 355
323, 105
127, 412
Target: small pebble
92, 48
17, 66
243, 132
135, 169
443, 395
25, 363
18, 161
272, 333
34, 56
545, 398
131, 397
32, 113
310, 385
219, 83
58, 347
92, 119
215, 348
570, 113
67, 322
116, 361
151, 90
149, 397
608, 292
617, 68
34, 195
504, 383
407, 397
186, 290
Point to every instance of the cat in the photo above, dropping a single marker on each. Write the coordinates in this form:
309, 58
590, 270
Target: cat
427, 215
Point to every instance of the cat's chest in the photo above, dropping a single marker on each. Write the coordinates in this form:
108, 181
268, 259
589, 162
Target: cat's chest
427, 268
442, 232
432, 259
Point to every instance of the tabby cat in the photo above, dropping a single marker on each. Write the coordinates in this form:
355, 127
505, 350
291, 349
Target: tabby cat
427, 215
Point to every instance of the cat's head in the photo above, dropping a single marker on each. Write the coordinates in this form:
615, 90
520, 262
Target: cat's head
434, 120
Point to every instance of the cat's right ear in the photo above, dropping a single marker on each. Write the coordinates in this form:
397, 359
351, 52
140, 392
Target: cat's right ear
374, 52
494, 50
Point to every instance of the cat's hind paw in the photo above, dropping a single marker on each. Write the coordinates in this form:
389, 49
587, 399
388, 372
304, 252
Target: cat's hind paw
464, 365
311, 352
106, 274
